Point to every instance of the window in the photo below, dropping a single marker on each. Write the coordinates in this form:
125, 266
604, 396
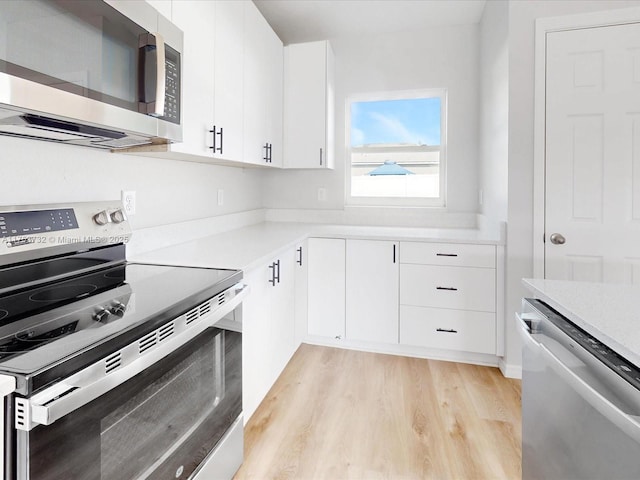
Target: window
397, 149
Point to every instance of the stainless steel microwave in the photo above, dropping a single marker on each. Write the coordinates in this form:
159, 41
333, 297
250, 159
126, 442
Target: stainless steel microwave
96, 73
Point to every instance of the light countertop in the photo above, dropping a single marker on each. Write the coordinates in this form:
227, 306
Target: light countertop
611, 313
251, 246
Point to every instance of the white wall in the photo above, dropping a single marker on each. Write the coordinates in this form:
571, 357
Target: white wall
494, 109
522, 17
432, 58
168, 191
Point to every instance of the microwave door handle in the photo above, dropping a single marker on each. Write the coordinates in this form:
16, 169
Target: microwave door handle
161, 75
153, 106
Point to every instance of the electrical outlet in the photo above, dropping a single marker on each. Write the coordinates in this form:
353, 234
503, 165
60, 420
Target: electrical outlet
220, 197
322, 194
129, 201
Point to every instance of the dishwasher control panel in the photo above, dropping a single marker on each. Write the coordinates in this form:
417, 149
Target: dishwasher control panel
627, 370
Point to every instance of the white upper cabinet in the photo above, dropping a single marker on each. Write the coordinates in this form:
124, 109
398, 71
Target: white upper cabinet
164, 7
195, 18
308, 105
263, 57
228, 62
232, 85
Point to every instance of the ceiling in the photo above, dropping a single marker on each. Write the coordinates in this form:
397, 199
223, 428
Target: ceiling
297, 21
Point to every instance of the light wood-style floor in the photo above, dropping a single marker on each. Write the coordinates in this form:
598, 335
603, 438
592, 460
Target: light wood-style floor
341, 414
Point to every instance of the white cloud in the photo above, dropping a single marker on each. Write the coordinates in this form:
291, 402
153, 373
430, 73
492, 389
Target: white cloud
397, 129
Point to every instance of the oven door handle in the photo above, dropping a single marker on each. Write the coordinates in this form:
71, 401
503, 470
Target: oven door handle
64, 397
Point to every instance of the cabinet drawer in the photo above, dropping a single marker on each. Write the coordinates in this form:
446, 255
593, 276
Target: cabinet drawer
448, 329
463, 288
452, 254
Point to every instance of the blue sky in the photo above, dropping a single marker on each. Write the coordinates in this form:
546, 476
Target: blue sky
414, 121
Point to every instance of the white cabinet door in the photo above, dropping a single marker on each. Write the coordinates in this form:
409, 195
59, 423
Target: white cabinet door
301, 292
274, 82
228, 86
282, 344
326, 278
195, 18
308, 105
256, 332
255, 103
268, 331
372, 274
262, 91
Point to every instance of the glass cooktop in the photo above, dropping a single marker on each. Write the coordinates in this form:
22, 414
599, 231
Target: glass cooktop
45, 324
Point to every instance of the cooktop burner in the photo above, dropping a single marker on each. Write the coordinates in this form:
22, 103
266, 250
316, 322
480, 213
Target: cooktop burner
30, 301
64, 292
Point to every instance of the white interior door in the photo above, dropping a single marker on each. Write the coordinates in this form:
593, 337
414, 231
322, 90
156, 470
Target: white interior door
592, 157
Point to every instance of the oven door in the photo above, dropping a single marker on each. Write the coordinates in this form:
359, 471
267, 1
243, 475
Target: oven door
160, 424
166, 406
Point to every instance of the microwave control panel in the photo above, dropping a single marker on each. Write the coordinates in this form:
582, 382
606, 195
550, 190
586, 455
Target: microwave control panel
172, 86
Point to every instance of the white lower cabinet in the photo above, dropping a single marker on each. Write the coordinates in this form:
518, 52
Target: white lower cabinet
372, 291
393, 295
448, 296
268, 340
448, 329
326, 293
465, 288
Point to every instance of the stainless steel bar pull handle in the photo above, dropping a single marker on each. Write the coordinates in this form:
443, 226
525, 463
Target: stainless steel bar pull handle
446, 254
299, 260
320, 156
450, 289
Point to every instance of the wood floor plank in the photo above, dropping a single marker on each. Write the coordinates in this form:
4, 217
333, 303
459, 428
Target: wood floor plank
342, 414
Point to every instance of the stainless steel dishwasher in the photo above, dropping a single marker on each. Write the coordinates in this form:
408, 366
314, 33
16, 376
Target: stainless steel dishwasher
580, 402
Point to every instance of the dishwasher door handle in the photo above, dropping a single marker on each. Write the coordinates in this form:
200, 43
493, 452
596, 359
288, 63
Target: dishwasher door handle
630, 424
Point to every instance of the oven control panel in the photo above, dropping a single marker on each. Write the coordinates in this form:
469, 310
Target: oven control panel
60, 228
27, 223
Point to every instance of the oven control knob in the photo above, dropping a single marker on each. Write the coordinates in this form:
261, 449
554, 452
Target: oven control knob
102, 315
118, 216
118, 309
102, 218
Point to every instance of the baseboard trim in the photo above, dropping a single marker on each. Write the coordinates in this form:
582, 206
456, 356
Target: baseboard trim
407, 351
510, 370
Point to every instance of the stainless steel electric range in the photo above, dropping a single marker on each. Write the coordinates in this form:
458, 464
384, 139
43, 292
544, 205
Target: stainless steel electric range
119, 370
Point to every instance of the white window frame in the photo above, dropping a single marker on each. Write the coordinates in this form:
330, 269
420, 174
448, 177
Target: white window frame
399, 201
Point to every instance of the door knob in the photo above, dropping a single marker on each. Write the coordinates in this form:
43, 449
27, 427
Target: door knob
557, 239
